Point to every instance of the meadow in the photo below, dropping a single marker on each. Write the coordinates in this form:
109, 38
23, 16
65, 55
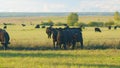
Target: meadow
29, 37
55, 19
30, 48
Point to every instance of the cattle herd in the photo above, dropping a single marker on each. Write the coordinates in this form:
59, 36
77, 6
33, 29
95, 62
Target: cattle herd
63, 37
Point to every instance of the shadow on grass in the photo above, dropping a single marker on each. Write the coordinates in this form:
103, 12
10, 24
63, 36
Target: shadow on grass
28, 48
72, 65
88, 47
45, 55
69, 65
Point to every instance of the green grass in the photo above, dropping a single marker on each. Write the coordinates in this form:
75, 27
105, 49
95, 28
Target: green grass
30, 38
60, 59
30, 47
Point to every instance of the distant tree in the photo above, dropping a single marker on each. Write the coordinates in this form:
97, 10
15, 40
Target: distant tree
110, 23
72, 19
80, 24
50, 22
116, 16
99, 24
59, 24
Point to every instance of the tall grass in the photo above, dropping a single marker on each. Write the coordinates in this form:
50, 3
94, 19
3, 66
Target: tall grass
29, 37
30, 48
55, 19
60, 59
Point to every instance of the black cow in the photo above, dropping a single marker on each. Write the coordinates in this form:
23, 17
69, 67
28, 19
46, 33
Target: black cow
66, 37
109, 27
97, 29
76, 36
23, 25
57, 36
37, 26
63, 37
4, 38
115, 27
5, 27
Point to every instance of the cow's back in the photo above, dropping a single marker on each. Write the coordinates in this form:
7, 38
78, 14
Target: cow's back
67, 35
77, 34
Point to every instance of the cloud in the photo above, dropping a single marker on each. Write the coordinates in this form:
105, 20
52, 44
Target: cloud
100, 6
59, 5
50, 7
30, 6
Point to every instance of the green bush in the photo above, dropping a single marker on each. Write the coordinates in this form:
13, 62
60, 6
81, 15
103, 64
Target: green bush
99, 24
47, 23
59, 24
80, 24
8, 24
109, 23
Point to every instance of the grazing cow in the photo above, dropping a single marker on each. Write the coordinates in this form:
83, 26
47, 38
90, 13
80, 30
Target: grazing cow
109, 27
23, 25
37, 26
49, 31
67, 37
115, 27
57, 36
97, 29
4, 38
76, 36
64, 37
5, 27
70, 36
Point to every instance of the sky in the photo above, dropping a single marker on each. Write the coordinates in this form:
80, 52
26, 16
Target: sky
59, 5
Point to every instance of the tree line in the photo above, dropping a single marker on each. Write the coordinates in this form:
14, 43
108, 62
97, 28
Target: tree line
73, 18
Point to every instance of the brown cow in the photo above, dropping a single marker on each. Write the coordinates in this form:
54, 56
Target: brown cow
4, 38
49, 31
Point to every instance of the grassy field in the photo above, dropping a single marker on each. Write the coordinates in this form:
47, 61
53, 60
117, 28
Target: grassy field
30, 48
60, 59
29, 37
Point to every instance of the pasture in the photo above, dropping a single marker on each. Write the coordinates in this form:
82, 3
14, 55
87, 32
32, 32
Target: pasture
55, 19
30, 48
29, 37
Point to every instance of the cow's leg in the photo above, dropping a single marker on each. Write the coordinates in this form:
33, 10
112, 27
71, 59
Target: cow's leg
64, 45
50, 35
60, 45
74, 43
81, 42
54, 44
4, 46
